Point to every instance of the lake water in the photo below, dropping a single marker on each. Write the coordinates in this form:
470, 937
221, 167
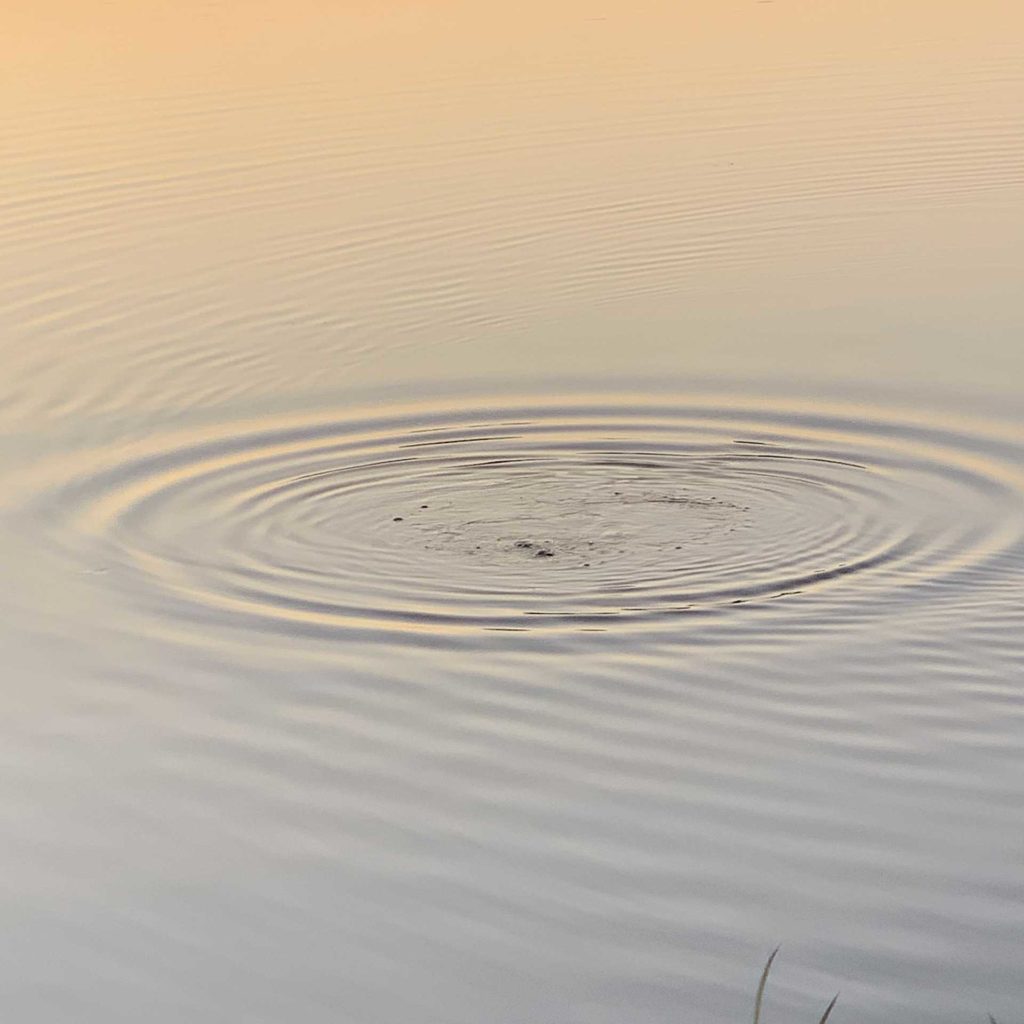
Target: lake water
510, 514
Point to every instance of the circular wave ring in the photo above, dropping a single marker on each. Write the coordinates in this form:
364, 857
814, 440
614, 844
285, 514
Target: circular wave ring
542, 516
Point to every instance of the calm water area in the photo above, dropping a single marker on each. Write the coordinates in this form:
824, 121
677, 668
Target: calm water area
509, 513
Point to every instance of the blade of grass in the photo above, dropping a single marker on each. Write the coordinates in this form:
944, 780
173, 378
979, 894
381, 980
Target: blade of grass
760, 988
828, 1009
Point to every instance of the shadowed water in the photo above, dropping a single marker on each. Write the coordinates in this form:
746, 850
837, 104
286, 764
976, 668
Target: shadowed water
508, 516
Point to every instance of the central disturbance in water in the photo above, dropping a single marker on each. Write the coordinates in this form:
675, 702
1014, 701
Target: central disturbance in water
509, 514
588, 526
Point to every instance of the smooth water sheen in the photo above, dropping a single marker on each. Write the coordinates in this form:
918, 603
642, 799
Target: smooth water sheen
510, 515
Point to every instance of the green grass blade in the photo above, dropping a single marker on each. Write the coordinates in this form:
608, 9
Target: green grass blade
760, 988
828, 1009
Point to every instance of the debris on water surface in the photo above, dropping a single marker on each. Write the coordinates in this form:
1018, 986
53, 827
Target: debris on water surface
539, 551
398, 519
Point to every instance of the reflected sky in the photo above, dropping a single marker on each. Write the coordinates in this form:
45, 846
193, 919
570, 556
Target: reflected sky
757, 190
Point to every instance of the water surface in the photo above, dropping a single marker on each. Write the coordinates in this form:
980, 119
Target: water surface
509, 515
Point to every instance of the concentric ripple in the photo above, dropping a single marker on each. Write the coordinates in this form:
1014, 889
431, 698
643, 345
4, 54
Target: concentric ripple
617, 513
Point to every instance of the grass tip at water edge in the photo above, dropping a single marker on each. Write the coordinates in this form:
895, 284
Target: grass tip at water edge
759, 997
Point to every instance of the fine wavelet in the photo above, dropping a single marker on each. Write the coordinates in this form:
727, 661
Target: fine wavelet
621, 514
162, 258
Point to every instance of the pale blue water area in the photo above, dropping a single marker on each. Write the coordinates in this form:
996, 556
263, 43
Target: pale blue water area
508, 518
